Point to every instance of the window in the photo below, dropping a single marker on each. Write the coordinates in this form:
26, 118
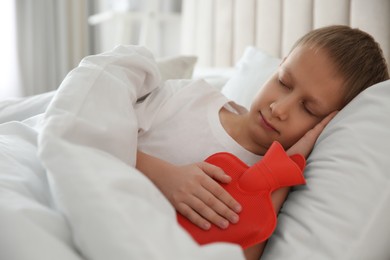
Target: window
9, 76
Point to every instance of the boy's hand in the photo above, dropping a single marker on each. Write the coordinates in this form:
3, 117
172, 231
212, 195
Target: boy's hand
306, 143
194, 192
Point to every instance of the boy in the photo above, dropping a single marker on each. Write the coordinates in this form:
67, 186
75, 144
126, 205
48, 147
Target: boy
325, 69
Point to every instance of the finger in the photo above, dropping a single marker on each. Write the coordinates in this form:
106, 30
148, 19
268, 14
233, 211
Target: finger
210, 215
214, 172
306, 143
316, 131
199, 213
224, 197
193, 216
220, 213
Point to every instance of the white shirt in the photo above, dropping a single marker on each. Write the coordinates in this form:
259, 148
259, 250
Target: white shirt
180, 123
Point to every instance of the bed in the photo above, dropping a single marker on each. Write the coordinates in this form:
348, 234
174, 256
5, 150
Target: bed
68, 188
342, 212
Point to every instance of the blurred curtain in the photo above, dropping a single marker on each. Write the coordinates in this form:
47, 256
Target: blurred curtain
9, 77
151, 23
52, 38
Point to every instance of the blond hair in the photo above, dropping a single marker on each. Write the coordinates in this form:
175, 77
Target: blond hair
357, 56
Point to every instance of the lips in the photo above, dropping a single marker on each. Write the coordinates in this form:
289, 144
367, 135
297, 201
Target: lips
265, 124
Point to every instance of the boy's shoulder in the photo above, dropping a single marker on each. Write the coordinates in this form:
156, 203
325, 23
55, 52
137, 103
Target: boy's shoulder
177, 85
181, 88
177, 93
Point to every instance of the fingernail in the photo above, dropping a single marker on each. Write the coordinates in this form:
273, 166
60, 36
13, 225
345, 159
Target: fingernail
224, 224
206, 226
234, 219
227, 178
237, 208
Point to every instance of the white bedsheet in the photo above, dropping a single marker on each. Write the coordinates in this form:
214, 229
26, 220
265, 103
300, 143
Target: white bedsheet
68, 188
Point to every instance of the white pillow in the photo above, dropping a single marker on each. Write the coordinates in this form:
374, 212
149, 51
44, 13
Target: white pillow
215, 76
343, 212
176, 67
253, 70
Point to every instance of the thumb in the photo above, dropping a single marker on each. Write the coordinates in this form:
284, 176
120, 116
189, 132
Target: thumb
214, 172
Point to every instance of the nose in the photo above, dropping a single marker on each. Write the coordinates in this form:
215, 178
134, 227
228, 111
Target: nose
281, 108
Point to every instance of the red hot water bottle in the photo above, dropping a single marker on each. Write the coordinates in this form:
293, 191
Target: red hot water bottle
252, 188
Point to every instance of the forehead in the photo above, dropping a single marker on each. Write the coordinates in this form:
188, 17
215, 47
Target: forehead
313, 73
315, 61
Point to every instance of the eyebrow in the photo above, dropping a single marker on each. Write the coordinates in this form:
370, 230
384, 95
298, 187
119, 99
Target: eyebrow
314, 100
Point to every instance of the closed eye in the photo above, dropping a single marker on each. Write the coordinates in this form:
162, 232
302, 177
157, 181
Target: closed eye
283, 84
307, 110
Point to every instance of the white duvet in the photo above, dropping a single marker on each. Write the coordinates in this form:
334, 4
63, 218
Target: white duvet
68, 186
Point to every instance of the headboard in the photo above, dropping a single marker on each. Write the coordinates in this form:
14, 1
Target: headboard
217, 31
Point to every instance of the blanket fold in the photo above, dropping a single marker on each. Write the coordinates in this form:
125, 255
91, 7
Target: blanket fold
88, 146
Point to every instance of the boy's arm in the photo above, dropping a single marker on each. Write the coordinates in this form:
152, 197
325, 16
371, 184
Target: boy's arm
304, 146
192, 190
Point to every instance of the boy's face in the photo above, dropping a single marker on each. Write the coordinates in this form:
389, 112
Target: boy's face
304, 90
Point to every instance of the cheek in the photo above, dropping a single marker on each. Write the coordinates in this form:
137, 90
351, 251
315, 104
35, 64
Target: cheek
298, 129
